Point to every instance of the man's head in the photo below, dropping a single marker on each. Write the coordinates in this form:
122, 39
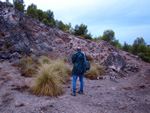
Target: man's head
78, 48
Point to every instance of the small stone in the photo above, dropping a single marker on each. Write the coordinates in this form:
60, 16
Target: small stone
113, 88
142, 86
51, 106
17, 104
122, 107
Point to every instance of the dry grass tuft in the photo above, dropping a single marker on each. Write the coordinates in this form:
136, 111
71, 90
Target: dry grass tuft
94, 72
44, 60
80, 37
65, 59
28, 70
67, 31
62, 69
47, 82
28, 66
27, 60
89, 58
49, 78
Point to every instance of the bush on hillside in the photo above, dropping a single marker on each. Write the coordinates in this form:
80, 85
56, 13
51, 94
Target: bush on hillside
44, 60
65, 59
49, 78
67, 31
144, 57
28, 70
47, 82
62, 69
27, 60
28, 66
89, 58
94, 72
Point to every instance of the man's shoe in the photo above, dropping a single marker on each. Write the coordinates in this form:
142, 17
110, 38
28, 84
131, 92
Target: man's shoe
80, 92
73, 93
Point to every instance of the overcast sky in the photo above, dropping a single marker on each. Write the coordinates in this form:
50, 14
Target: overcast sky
129, 19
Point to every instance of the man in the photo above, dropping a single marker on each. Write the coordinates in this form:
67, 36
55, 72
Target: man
78, 70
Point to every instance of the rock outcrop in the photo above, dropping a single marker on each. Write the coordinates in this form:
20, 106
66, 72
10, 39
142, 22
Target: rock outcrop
25, 35
22, 35
116, 61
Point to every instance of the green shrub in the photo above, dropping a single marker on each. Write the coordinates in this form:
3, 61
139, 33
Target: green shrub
144, 57
47, 82
45, 21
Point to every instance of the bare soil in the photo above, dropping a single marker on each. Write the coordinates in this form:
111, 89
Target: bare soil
129, 94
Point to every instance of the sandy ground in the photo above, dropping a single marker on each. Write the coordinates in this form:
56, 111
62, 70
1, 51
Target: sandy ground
128, 95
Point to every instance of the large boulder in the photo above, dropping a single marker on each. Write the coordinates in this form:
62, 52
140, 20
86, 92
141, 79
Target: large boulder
131, 68
115, 61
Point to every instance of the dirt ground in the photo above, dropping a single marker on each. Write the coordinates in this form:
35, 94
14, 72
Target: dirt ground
127, 95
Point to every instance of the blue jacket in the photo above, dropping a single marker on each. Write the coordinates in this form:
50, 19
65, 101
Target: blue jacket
79, 67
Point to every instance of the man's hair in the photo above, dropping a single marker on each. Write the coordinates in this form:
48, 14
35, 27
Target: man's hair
78, 48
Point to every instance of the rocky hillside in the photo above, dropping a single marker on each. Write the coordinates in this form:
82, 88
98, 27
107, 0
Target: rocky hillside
21, 34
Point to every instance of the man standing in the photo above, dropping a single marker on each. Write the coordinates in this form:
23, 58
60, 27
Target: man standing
78, 70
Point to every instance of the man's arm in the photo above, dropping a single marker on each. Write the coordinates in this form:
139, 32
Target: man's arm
74, 57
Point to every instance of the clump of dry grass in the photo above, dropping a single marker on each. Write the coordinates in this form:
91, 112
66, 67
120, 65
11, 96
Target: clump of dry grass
44, 60
28, 70
62, 69
28, 66
47, 82
81, 37
67, 31
94, 72
49, 78
89, 58
27, 60
65, 59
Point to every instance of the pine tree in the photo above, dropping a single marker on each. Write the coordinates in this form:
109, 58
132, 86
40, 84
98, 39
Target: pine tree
19, 4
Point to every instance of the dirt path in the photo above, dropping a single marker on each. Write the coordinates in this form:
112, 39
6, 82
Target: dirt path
129, 95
